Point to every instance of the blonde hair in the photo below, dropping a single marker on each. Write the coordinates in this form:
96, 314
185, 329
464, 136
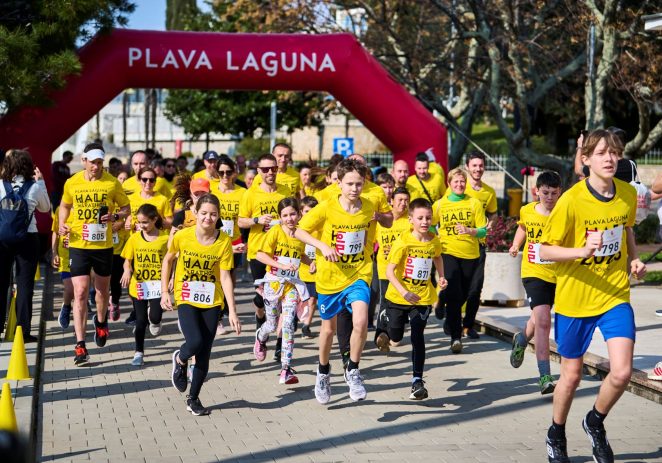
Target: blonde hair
455, 172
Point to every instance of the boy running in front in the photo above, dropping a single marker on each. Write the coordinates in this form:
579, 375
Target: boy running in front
344, 271
589, 233
410, 292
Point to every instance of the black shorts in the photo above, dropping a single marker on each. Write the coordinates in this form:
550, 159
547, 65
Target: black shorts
312, 289
83, 261
398, 315
539, 292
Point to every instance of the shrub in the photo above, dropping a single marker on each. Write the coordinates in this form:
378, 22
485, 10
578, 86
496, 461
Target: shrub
500, 236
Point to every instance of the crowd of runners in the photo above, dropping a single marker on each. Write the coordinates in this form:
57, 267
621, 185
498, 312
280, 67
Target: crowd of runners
362, 249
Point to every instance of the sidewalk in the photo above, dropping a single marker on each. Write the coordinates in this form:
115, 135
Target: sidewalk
480, 409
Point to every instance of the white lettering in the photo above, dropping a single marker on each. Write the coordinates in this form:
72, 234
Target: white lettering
185, 60
270, 63
308, 61
250, 62
203, 60
283, 62
170, 60
231, 67
327, 63
134, 55
147, 63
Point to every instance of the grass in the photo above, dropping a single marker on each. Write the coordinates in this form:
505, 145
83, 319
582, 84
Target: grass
645, 255
653, 277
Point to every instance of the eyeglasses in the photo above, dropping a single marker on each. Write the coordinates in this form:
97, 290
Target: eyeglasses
225, 173
264, 170
148, 179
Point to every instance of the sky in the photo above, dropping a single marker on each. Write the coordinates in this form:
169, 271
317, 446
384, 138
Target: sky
150, 14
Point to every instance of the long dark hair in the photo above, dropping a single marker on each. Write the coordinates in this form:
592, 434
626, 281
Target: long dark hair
182, 187
150, 211
288, 202
17, 162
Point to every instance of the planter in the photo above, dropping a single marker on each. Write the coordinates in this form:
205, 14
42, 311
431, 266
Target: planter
503, 282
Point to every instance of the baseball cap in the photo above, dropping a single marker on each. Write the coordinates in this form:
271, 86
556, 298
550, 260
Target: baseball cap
210, 155
93, 155
199, 184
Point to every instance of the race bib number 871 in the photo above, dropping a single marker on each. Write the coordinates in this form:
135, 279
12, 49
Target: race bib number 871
418, 268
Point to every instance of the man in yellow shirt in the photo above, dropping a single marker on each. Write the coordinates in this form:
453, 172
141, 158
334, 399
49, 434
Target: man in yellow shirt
287, 176
426, 185
210, 172
132, 184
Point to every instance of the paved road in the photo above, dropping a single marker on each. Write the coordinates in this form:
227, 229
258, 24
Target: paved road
479, 410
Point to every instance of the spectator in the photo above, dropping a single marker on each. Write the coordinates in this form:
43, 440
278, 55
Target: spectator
61, 173
249, 177
114, 167
182, 164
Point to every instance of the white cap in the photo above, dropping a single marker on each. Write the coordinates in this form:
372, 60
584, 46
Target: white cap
94, 154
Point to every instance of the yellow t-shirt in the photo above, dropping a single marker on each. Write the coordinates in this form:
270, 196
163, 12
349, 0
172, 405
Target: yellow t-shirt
197, 275
131, 185
435, 169
290, 180
62, 244
120, 237
255, 203
435, 185
304, 269
229, 212
348, 234
486, 195
282, 248
86, 197
467, 211
146, 259
213, 182
371, 192
385, 238
413, 260
594, 285
159, 201
532, 265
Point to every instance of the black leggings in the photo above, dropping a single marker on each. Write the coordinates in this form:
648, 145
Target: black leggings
459, 273
345, 325
393, 324
155, 315
115, 277
475, 288
374, 293
199, 328
258, 270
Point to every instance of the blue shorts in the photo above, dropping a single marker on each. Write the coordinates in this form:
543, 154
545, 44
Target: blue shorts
331, 305
574, 335
65, 275
312, 289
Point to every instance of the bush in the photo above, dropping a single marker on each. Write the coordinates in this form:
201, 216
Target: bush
500, 236
647, 231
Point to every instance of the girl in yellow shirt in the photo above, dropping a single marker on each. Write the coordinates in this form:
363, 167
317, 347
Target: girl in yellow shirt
147, 195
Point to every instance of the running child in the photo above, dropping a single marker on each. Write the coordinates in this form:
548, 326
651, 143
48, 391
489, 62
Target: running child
538, 278
60, 261
143, 258
308, 277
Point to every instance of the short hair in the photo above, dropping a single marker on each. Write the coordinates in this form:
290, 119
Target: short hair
474, 155
422, 157
67, 153
548, 178
147, 169
181, 156
157, 162
267, 157
620, 133
385, 177
419, 203
401, 191
309, 201
591, 142
350, 165
282, 145
93, 146
288, 202
113, 161
456, 171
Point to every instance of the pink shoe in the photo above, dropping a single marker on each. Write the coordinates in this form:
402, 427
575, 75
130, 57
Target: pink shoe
259, 349
114, 311
287, 376
656, 374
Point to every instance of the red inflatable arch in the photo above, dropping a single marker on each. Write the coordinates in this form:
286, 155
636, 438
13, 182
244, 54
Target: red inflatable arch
335, 63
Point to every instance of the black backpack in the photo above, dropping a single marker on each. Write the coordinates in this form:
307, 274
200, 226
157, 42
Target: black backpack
14, 213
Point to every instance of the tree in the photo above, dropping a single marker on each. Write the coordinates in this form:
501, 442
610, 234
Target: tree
38, 44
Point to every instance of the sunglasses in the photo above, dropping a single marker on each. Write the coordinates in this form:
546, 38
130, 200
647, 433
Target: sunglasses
148, 179
264, 170
225, 173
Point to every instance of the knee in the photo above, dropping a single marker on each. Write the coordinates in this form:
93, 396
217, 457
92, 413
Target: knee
572, 378
327, 330
80, 294
620, 377
543, 324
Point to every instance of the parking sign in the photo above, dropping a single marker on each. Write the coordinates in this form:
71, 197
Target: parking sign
344, 146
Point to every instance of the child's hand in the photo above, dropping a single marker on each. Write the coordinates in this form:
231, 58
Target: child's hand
411, 297
126, 278
638, 269
312, 268
513, 251
443, 283
593, 243
329, 253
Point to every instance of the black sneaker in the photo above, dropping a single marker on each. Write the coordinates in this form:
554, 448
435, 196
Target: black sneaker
82, 356
195, 407
131, 319
440, 312
418, 391
100, 331
557, 450
178, 373
602, 452
470, 333
306, 333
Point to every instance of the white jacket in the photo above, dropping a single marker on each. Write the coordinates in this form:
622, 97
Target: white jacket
37, 198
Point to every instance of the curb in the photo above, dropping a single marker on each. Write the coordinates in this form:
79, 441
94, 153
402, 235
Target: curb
594, 365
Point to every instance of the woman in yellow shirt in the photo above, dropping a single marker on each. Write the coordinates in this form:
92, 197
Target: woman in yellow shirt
202, 280
147, 195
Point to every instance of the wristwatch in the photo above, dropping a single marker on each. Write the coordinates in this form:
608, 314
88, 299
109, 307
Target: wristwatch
256, 220
116, 217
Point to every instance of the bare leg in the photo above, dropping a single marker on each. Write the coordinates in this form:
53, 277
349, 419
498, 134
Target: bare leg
620, 369
360, 330
564, 393
327, 332
102, 287
81, 285
542, 322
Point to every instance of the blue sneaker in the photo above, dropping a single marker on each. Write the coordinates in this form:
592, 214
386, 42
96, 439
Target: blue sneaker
64, 317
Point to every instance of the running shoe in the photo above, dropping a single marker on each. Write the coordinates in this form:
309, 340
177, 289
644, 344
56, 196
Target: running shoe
602, 452
322, 388
259, 348
64, 317
189, 372
658, 312
137, 359
178, 373
517, 352
155, 328
557, 450
82, 356
220, 329
100, 332
306, 333
354, 380
456, 346
418, 391
656, 374
287, 376
114, 311
131, 319
470, 333
382, 342
195, 407
546, 383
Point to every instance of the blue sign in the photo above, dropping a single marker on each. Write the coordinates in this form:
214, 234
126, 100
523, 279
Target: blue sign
344, 146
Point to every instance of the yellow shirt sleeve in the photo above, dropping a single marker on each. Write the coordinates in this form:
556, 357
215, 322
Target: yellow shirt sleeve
314, 219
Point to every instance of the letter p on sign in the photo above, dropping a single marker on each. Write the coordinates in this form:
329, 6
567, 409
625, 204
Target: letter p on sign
344, 146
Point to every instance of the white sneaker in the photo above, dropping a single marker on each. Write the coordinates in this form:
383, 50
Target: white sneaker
155, 329
322, 388
137, 359
354, 380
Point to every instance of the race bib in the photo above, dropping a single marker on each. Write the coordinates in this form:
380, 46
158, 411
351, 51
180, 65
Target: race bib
533, 254
612, 241
350, 243
94, 232
148, 290
418, 268
199, 292
286, 273
271, 224
116, 238
227, 227
310, 251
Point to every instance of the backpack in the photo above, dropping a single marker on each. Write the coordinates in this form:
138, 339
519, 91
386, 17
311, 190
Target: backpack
14, 213
643, 195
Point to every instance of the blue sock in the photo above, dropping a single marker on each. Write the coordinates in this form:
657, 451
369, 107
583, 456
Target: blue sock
415, 378
543, 367
521, 339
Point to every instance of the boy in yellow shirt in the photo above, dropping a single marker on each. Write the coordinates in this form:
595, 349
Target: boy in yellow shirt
410, 292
